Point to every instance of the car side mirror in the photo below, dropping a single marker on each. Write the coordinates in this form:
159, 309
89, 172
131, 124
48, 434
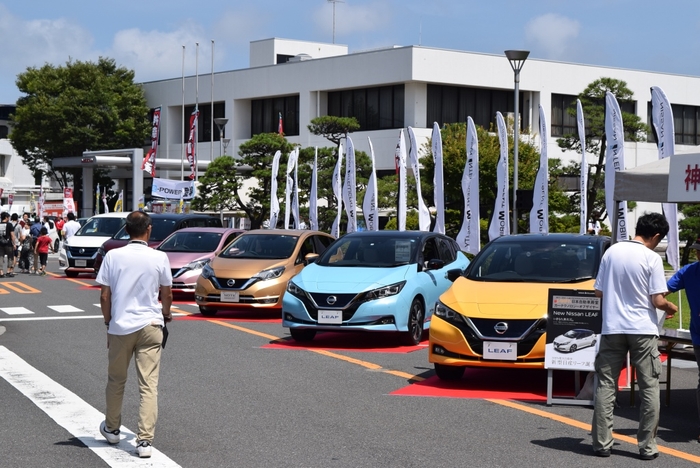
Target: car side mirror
452, 275
310, 258
435, 264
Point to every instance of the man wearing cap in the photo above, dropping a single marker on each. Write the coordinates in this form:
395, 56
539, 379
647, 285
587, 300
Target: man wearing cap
688, 278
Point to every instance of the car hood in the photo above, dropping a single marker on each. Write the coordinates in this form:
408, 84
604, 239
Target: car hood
481, 299
180, 259
340, 280
86, 241
244, 267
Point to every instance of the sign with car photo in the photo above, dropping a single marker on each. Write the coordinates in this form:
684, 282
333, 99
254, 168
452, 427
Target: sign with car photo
573, 329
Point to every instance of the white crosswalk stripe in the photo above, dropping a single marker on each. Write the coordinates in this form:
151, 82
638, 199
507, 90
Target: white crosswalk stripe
16, 310
62, 309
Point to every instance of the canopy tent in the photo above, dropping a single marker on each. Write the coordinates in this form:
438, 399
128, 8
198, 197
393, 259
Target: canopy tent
651, 182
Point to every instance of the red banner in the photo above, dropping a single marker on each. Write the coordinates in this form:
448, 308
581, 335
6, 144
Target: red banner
192, 145
149, 162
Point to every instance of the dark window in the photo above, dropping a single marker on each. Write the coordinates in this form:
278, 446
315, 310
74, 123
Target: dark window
686, 127
452, 104
5, 112
204, 121
281, 58
447, 254
265, 115
4, 131
374, 108
563, 123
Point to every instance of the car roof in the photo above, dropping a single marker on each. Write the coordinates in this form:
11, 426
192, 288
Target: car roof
114, 214
284, 232
209, 229
554, 237
179, 216
394, 234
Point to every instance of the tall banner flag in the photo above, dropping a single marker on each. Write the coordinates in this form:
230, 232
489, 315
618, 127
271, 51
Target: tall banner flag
97, 199
181, 205
149, 162
295, 191
192, 144
423, 212
313, 194
173, 189
68, 203
499, 221
104, 200
614, 161
280, 127
142, 202
337, 191
539, 214
400, 157
291, 163
32, 203
119, 205
468, 237
583, 188
350, 187
438, 181
10, 199
41, 202
662, 119
370, 209
274, 200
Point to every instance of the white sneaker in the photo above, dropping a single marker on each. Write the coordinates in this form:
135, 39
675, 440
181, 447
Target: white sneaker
111, 436
144, 449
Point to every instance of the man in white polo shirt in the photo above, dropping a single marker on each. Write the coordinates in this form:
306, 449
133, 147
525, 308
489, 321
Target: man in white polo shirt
632, 284
131, 278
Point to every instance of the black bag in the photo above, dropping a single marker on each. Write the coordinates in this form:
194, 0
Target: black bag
6, 236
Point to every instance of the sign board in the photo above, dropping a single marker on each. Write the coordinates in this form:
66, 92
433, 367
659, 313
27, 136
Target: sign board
574, 324
684, 178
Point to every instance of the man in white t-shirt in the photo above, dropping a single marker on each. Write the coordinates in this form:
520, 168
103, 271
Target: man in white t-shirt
132, 277
632, 284
71, 226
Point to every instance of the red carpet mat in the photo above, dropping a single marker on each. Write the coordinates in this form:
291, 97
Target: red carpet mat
350, 341
238, 316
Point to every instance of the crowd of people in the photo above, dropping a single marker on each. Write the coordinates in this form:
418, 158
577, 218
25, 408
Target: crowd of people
25, 242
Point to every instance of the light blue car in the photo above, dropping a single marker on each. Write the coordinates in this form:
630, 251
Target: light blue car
386, 281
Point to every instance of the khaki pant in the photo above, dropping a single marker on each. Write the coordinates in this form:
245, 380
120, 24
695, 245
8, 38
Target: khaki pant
145, 346
645, 357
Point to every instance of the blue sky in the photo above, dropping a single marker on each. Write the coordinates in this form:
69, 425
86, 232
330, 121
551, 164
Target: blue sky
147, 36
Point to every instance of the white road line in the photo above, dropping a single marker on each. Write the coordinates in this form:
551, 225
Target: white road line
65, 308
16, 310
64, 317
74, 414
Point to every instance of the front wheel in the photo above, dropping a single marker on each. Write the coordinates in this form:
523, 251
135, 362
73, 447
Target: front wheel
414, 334
302, 334
206, 311
573, 348
449, 372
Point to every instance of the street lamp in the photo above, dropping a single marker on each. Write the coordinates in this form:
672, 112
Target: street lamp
221, 124
517, 60
225, 142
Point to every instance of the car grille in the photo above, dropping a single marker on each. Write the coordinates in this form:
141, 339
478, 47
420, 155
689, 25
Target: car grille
516, 329
241, 283
348, 309
342, 300
87, 251
241, 300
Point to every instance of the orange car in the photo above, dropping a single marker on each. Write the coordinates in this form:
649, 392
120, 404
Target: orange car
253, 271
495, 315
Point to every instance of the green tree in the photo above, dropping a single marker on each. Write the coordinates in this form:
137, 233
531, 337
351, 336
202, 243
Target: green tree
333, 128
593, 104
76, 107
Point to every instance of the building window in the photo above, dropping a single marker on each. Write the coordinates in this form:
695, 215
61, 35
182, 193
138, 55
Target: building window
563, 123
281, 58
265, 114
374, 108
686, 127
2, 165
453, 104
204, 122
6, 110
4, 131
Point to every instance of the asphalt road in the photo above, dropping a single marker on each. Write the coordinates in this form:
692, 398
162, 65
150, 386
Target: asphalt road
228, 399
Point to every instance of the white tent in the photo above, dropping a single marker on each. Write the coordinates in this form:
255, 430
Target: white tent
661, 181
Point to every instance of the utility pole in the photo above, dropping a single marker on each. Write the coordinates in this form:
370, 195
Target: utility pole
334, 2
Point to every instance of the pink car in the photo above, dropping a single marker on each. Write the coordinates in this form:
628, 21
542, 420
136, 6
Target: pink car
189, 249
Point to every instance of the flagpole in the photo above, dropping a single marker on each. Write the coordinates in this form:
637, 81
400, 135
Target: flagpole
196, 106
182, 140
211, 117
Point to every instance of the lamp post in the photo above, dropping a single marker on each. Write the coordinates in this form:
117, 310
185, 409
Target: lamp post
221, 124
517, 60
225, 142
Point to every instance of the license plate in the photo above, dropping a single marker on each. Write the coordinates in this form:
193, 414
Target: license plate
81, 263
501, 350
229, 297
334, 317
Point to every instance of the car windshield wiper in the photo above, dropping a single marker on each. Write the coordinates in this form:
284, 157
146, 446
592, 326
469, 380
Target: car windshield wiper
574, 280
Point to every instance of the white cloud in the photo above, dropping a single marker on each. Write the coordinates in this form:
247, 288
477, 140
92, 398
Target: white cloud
552, 35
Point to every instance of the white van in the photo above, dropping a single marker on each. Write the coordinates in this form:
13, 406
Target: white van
78, 252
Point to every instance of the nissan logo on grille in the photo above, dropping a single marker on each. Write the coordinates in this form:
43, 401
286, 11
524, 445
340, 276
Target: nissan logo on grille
82, 251
231, 283
330, 300
501, 327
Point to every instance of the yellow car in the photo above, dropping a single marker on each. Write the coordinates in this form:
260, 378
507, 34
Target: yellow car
495, 315
252, 272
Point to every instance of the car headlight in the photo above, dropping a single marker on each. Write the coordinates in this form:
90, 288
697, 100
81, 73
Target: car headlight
196, 265
272, 273
295, 290
447, 314
207, 272
384, 291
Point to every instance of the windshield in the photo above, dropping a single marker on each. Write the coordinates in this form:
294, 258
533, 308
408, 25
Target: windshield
191, 242
272, 246
162, 228
104, 227
370, 251
571, 334
545, 261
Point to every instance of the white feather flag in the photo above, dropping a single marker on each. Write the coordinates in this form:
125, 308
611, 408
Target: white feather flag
369, 204
499, 221
438, 181
350, 187
614, 161
539, 214
468, 237
274, 201
423, 212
